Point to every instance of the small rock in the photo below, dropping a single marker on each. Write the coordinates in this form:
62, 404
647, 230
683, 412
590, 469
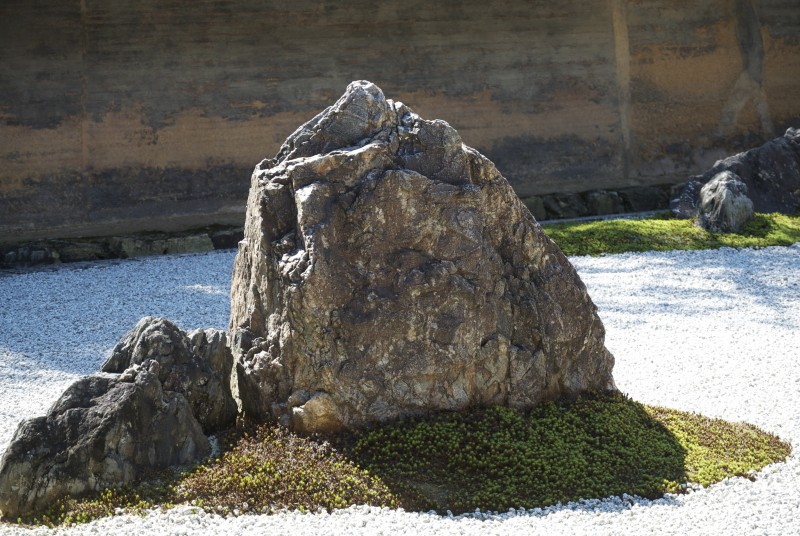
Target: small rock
101, 432
724, 204
198, 365
158, 394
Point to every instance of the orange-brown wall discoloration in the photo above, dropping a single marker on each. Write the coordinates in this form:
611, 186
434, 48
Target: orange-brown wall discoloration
190, 141
781, 74
29, 151
120, 116
702, 76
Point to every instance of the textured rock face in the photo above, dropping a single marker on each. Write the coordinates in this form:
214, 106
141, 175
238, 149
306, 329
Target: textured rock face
770, 174
387, 269
196, 365
148, 409
724, 205
101, 432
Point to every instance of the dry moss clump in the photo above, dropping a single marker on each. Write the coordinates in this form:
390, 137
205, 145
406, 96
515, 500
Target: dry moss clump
273, 470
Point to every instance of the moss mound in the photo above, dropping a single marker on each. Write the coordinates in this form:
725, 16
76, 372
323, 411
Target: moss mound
492, 459
664, 232
275, 469
592, 447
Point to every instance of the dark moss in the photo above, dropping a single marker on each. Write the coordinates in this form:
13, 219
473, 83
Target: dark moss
500, 457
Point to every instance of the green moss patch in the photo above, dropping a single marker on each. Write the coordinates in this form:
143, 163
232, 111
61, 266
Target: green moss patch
717, 449
592, 447
664, 232
491, 458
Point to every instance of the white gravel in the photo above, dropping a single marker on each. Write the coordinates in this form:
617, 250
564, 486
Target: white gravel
716, 332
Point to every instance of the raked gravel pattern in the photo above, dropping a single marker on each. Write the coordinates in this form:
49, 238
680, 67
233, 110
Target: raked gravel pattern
716, 332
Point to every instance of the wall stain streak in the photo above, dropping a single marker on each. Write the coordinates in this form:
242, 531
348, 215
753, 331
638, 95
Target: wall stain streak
749, 85
84, 91
622, 59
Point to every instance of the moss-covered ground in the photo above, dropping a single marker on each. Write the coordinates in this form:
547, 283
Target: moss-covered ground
664, 232
489, 458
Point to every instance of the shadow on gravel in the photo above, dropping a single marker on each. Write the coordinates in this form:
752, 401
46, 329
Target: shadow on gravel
68, 319
767, 278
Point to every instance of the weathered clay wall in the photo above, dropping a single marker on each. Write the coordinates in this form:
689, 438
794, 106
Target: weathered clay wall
120, 116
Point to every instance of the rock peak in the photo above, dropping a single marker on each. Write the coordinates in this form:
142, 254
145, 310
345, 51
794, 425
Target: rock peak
361, 113
362, 116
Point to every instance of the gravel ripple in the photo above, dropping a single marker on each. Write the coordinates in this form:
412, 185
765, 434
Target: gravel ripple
716, 332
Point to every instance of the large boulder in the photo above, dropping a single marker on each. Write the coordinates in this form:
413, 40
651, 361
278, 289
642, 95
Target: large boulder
770, 175
147, 410
387, 269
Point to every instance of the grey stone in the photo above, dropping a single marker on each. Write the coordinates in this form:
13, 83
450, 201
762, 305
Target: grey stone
28, 254
645, 198
158, 394
601, 202
226, 238
536, 205
197, 365
103, 431
82, 250
724, 205
387, 270
561, 206
39, 255
770, 172
139, 246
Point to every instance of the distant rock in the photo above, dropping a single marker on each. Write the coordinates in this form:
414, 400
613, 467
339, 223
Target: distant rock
724, 205
147, 410
770, 175
387, 270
